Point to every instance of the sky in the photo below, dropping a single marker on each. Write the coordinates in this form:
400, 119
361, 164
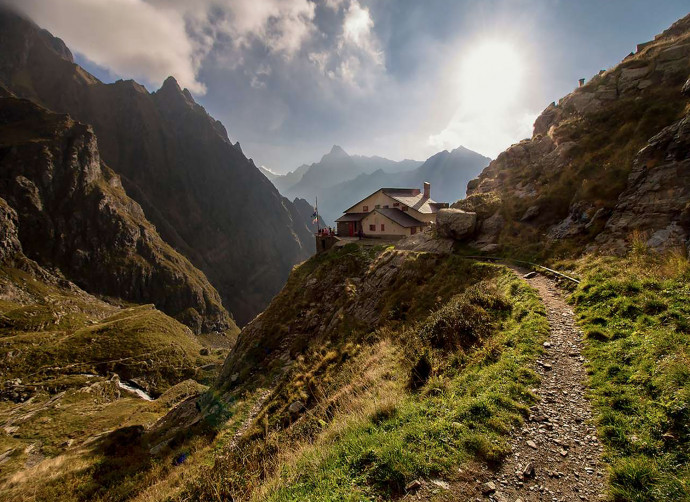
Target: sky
395, 78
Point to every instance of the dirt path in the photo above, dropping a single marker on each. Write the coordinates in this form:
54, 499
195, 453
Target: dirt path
556, 455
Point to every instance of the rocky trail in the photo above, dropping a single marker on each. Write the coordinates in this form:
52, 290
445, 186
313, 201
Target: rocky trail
555, 455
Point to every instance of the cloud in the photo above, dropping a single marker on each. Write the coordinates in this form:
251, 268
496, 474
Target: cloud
357, 58
131, 38
491, 112
151, 39
281, 25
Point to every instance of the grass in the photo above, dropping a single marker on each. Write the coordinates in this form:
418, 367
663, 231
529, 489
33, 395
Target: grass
137, 343
367, 431
635, 313
60, 347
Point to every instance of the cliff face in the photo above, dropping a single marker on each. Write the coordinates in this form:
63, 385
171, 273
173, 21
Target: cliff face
656, 201
73, 215
204, 196
586, 168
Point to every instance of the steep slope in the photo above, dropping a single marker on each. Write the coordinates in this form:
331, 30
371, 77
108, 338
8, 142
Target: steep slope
371, 369
205, 197
656, 201
578, 173
74, 216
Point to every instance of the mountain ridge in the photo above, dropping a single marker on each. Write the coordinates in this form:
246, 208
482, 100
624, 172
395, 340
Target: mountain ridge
204, 196
74, 216
448, 172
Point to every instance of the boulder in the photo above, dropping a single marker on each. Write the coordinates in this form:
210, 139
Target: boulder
425, 242
531, 212
455, 223
296, 407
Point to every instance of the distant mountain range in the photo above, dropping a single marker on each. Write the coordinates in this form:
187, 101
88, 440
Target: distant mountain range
340, 180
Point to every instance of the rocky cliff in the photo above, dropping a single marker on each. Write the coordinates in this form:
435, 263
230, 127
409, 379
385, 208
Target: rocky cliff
656, 201
73, 215
204, 196
591, 167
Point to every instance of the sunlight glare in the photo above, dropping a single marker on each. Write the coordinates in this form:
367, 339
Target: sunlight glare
491, 76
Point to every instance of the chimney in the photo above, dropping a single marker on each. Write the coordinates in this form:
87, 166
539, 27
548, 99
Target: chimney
427, 190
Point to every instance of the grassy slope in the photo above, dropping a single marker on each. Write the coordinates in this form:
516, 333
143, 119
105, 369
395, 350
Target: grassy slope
464, 412
58, 346
636, 317
368, 429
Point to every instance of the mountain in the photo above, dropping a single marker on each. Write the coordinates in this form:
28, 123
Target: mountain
606, 166
335, 167
205, 197
88, 292
284, 181
448, 173
374, 163
378, 372
74, 216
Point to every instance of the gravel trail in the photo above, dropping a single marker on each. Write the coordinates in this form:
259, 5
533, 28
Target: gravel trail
555, 455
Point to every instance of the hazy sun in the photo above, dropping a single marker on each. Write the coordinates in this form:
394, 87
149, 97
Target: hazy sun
491, 75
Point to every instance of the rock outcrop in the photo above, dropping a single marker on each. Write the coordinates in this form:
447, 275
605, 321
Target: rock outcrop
455, 223
205, 197
559, 189
73, 215
656, 202
9, 237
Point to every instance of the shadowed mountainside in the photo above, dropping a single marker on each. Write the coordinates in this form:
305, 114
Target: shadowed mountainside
205, 197
74, 216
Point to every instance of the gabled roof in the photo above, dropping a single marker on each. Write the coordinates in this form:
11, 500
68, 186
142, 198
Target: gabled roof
351, 217
397, 216
411, 197
416, 201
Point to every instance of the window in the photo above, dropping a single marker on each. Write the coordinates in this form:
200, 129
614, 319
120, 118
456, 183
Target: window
386, 206
365, 209
413, 230
404, 208
372, 228
383, 227
396, 204
378, 206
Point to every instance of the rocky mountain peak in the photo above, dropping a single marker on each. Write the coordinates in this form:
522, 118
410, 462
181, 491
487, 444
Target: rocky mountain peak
73, 215
172, 93
336, 153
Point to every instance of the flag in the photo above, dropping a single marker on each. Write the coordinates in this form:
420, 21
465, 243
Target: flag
315, 221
